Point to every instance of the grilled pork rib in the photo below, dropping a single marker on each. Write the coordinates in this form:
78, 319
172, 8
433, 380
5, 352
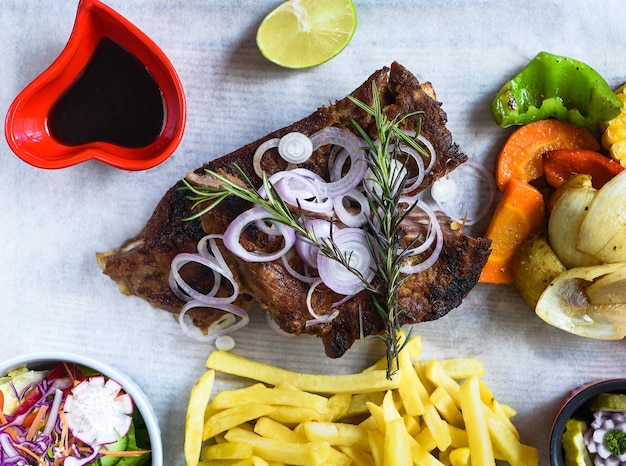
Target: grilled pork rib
141, 265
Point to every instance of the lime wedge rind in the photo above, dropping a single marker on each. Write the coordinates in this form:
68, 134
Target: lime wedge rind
306, 33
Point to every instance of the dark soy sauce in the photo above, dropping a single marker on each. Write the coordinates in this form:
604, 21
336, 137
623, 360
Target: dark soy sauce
115, 100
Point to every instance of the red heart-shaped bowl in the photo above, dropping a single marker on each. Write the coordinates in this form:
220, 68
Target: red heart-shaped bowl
27, 124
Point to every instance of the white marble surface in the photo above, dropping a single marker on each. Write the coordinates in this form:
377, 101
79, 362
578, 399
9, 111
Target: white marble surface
53, 222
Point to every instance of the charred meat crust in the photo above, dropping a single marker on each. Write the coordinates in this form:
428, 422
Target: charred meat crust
141, 266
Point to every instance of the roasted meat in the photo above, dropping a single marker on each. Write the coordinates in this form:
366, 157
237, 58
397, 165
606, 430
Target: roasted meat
141, 265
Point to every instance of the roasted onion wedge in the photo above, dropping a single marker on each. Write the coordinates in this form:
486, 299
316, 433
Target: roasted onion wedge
577, 301
566, 218
603, 231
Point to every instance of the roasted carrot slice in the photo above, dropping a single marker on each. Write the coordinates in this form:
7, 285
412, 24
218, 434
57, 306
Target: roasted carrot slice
520, 156
519, 213
560, 164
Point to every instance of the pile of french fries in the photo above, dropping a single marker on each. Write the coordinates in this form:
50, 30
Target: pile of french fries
432, 412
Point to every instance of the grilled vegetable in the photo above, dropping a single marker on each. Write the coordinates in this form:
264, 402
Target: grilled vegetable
555, 86
614, 132
567, 215
567, 305
603, 230
534, 267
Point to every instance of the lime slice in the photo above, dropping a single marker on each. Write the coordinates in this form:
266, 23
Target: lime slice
306, 33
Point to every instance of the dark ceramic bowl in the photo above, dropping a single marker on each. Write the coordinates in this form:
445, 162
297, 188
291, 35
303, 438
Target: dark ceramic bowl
576, 404
27, 123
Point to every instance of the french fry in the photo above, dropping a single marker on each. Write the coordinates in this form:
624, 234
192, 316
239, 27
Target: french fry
377, 446
337, 407
438, 427
370, 423
377, 414
358, 456
507, 443
243, 462
232, 417
390, 412
336, 457
491, 403
294, 415
412, 424
458, 437
447, 407
258, 393
397, 452
425, 439
310, 453
270, 428
252, 461
432, 413
194, 421
422, 456
475, 423
458, 368
460, 457
227, 451
436, 374
347, 435
358, 403
373, 381
408, 381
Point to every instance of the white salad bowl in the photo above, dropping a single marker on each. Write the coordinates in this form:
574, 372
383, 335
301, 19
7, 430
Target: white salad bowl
46, 360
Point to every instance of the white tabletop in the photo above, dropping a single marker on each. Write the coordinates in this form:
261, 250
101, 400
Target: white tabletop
55, 297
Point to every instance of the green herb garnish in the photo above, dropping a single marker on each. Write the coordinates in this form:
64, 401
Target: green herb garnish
616, 442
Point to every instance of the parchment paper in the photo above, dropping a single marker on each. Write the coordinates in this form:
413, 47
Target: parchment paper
54, 296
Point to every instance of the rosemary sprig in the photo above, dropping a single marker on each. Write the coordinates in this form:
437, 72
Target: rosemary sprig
385, 243
389, 180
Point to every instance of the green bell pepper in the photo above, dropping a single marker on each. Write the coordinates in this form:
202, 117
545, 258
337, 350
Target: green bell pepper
555, 86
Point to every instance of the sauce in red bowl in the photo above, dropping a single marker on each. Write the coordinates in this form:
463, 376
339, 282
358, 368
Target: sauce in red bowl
112, 95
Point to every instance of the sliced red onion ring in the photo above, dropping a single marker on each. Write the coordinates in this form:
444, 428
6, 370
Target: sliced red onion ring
178, 284
414, 182
336, 162
458, 204
295, 147
356, 216
223, 326
207, 248
258, 154
354, 244
432, 232
398, 172
426, 144
409, 268
317, 318
295, 274
236, 227
351, 144
307, 250
300, 188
